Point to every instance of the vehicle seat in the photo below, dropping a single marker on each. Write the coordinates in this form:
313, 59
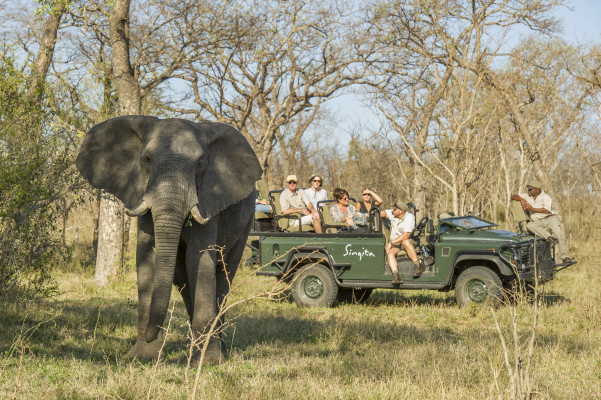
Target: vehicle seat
518, 213
327, 222
282, 222
262, 193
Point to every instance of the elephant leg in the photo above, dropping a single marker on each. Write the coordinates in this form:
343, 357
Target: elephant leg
200, 265
225, 274
180, 280
145, 261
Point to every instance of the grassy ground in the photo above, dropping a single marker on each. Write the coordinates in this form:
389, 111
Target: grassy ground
401, 345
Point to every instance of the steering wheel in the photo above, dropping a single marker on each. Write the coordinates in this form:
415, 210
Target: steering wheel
419, 228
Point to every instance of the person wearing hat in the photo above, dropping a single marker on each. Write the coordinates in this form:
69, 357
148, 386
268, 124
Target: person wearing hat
544, 222
402, 224
293, 200
316, 193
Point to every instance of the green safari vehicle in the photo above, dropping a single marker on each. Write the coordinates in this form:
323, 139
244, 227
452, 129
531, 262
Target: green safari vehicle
462, 253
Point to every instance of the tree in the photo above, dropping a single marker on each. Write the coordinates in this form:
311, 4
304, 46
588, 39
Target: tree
280, 59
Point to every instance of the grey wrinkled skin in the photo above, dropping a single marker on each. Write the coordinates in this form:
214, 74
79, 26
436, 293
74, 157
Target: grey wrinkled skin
192, 187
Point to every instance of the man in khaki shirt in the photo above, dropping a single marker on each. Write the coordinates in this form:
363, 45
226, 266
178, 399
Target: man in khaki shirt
294, 201
544, 222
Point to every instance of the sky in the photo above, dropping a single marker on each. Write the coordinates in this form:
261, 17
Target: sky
581, 20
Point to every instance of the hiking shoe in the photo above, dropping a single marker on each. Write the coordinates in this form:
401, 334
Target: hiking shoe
566, 260
397, 279
552, 241
419, 269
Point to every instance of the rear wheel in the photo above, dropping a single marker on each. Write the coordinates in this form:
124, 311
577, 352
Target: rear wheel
480, 286
352, 295
314, 286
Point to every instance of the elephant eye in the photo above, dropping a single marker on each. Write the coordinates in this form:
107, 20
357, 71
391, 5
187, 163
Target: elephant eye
147, 157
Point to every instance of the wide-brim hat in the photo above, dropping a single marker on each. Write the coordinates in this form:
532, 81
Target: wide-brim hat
312, 176
533, 184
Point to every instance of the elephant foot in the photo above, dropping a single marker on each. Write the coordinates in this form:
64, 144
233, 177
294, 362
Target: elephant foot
146, 351
213, 355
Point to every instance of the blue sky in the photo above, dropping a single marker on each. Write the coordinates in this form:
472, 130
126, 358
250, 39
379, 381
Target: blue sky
581, 24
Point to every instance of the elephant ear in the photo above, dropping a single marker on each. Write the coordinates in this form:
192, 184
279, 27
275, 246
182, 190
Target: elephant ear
231, 171
109, 157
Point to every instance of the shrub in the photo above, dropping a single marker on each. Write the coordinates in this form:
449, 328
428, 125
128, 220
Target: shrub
35, 172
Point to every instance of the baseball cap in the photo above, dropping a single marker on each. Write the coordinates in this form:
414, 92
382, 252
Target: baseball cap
291, 178
401, 205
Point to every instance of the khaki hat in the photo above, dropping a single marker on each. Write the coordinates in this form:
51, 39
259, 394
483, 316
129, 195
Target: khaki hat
291, 178
533, 183
401, 205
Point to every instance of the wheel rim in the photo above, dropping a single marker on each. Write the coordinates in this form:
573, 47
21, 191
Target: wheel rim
313, 287
476, 290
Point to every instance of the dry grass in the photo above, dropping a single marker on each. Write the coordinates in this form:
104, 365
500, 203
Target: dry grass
400, 345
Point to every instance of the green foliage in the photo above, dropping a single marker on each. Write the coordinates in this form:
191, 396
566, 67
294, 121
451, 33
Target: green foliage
35, 169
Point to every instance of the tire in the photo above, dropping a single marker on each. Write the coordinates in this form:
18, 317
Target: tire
314, 286
353, 296
480, 286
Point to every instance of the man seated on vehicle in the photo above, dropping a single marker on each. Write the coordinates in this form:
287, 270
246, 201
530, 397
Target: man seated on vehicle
294, 201
402, 224
544, 221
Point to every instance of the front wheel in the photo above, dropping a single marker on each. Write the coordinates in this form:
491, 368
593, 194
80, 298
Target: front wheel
314, 286
480, 286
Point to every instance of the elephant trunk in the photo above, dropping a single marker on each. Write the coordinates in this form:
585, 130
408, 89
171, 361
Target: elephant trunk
170, 211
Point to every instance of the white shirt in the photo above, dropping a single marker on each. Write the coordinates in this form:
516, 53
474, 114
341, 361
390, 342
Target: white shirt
543, 200
400, 226
315, 196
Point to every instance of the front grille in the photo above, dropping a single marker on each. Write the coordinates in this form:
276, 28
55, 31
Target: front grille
536, 253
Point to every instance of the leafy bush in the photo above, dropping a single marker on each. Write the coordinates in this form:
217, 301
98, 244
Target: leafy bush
35, 173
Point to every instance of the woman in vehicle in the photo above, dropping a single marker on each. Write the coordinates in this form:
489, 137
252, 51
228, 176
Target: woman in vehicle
369, 198
342, 212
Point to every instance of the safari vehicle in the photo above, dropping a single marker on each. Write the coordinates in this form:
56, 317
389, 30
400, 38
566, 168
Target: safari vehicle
462, 253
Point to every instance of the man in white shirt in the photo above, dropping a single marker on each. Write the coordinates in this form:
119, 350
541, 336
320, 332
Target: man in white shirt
402, 224
544, 222
316, 193
293, 201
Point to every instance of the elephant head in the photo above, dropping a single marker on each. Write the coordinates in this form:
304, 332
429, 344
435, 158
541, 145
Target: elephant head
172, 168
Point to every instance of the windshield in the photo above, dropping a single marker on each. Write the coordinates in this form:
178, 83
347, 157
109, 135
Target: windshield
468, 222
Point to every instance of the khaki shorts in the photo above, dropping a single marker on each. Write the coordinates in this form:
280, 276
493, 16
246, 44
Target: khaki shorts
305, 220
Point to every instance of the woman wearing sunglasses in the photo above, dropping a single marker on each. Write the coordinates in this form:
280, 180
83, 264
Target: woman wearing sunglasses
341, 211
369, 198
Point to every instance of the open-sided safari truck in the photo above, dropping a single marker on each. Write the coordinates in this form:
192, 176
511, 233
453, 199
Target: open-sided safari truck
462, 253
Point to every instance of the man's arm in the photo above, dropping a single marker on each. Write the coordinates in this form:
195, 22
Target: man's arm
399, 239
527, 207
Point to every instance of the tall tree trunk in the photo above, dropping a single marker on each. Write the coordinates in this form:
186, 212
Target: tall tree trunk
110, 236
40, 67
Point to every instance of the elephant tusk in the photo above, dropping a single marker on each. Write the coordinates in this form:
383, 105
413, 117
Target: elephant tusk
141, 210
197, 217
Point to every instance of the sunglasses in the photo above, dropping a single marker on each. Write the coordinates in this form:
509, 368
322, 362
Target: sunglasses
365, 194
316, 180
292, 182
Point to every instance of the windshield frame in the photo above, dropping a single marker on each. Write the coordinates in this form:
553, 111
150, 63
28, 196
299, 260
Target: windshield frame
468, 222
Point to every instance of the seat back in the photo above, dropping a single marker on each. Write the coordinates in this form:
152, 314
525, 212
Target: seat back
518, 213
262, 194
327, 222
282, 222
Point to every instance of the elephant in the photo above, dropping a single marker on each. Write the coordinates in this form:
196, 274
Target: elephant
192, 187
